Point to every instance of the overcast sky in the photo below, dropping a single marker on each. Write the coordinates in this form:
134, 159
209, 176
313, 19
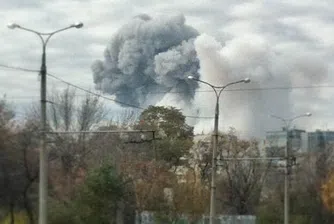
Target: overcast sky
289, 26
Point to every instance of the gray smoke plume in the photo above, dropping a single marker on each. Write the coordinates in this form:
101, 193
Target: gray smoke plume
148, 56
254, 57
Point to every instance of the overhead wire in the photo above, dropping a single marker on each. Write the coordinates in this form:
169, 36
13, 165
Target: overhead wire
70, 84
18, 68
95, 94
226, 90
86, 90
108, 98
255, 89
141, 108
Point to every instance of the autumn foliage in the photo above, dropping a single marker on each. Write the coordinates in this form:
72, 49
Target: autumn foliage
106, 177
327, 193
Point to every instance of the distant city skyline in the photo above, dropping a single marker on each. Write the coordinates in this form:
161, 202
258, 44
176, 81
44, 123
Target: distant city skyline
301, 141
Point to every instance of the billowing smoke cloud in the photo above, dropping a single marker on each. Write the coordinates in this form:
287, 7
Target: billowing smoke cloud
252, 56
147, 56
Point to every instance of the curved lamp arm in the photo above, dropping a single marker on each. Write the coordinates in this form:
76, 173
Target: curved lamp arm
220, 88
40, 34
308, 114
287, 122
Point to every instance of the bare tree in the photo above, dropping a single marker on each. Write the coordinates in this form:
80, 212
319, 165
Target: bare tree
306, 180
200, 157
124, 119
240, 182
68, 152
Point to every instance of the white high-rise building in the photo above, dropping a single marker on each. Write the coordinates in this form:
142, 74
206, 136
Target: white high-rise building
276, 141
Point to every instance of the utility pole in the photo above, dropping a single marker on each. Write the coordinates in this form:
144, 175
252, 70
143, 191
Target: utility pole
286, 179
218, 90
120, 203
154, 146
214, 166
287, 124
43, 156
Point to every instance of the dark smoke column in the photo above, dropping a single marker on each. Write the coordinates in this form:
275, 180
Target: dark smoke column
147, 56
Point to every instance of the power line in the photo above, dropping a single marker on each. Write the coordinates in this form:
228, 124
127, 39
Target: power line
85, 90
18, 68
203, 91
141, 108
108, 98
95, 94
35, 96
254, 89
70, 84
176, 92
73, 85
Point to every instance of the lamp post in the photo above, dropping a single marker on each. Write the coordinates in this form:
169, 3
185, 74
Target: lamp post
43, 166
218, 90
287, 123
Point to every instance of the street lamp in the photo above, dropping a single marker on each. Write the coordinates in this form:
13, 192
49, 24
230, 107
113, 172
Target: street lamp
218, 90
43, 172
287, 123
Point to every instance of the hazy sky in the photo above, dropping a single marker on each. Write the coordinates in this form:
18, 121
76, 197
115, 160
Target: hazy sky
299, 27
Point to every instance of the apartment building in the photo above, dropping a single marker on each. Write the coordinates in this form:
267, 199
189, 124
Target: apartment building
319, 140
276, 141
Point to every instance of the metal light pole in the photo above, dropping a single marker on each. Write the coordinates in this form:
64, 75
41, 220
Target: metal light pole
218, 90
43, 159
287, 124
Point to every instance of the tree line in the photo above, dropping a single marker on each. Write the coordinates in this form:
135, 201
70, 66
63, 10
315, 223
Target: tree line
163, 168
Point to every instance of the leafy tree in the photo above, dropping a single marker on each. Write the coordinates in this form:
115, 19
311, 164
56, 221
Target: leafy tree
19, 163
63, 213
173, 134
169, 121
149, 179
190, 196
310, 192
99, 195
307, 190
96, 201
26, 148
153, 181
270, 211
327, 193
